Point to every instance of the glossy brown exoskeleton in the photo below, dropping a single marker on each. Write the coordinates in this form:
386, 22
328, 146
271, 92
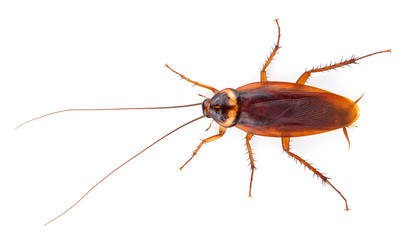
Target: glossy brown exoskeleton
271, 109
280, 109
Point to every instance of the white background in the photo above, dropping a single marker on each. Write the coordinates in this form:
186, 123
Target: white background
98, 54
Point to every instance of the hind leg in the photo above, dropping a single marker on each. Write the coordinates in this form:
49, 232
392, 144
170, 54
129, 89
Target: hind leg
286, 147
303, 78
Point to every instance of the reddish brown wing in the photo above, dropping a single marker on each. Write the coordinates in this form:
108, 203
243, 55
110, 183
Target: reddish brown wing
281, 109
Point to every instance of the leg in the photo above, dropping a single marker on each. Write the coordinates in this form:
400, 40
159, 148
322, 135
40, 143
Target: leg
271, 56
252, 162
209, 125
193, 82
303, 78
222, 130
286, 147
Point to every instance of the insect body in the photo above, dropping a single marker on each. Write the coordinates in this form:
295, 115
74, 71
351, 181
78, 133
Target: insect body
272, 109
280, 109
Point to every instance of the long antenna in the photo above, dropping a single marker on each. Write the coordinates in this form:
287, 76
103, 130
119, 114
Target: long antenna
119, 168
105, 109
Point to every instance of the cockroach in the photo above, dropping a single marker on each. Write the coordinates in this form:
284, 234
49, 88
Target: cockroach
266, 108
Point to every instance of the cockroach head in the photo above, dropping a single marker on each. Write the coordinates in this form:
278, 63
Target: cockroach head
206, 108
223, 107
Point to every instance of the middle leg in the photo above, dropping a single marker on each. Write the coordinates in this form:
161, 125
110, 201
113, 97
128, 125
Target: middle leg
271, 56
252, 161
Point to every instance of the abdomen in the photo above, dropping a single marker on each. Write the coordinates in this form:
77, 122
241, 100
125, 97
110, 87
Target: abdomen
280, 109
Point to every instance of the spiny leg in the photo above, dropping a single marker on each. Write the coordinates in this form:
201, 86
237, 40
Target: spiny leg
252, 162
193, 82
222, 130
210, 125
271, 56
286, 147
303, 78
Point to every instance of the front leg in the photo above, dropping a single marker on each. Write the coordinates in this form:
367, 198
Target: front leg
192, 81
222, 130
